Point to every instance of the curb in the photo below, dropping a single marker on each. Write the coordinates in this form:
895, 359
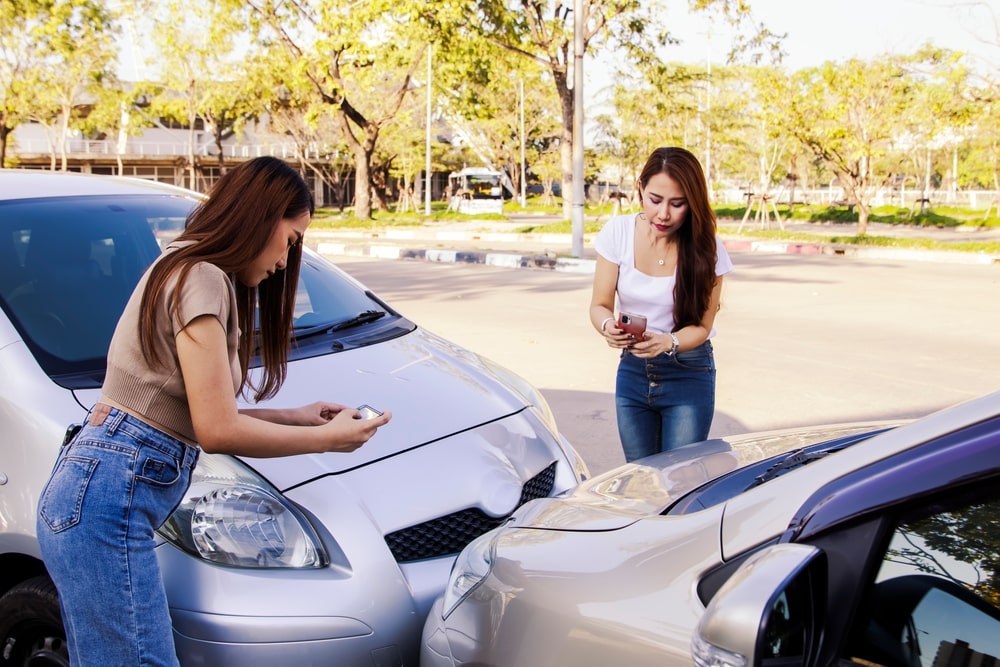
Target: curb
549, 261
500, 259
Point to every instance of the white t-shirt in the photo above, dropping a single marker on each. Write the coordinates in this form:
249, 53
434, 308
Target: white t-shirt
638, 293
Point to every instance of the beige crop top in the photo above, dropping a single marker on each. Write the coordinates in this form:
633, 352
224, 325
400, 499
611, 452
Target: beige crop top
157, 392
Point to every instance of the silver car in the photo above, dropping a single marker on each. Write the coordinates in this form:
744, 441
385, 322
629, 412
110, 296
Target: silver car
328, 559
868, 520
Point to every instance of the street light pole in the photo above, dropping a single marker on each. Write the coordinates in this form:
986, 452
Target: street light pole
577, 210
524, 164
427, 148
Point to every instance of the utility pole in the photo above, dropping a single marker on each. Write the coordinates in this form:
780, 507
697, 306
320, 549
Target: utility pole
577, 209
427, 148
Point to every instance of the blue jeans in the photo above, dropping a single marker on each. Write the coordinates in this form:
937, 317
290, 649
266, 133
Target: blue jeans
116, 482
664, 402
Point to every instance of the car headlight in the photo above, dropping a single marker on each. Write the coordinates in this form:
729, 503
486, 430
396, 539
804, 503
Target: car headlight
232, 516
471, 567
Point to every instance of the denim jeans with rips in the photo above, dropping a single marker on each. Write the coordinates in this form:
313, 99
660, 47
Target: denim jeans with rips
664, 402
112, 486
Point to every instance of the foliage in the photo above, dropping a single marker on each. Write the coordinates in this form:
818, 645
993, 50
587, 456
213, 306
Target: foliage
970, 536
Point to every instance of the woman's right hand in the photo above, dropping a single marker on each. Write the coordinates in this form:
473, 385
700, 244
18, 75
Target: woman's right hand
617, 338
347, 431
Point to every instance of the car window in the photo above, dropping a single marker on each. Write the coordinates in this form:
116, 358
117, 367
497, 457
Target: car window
936, 597
68, 266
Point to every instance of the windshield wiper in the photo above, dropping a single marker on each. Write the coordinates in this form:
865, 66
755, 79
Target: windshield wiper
301, 333
794, 460
361, 318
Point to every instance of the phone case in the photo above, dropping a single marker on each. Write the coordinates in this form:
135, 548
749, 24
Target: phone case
632, 324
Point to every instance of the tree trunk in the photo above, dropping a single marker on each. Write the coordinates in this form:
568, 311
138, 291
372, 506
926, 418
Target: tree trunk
362, 184
4, 133
566, 141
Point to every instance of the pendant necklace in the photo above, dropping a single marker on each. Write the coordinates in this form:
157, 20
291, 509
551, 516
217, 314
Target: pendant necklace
652, 244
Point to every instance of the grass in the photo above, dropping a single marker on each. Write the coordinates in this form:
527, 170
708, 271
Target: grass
729, 215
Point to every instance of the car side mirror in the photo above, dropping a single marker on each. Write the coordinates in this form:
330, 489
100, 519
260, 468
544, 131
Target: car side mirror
770, 612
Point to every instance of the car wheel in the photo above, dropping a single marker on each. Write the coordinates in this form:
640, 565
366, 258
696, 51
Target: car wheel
31, 627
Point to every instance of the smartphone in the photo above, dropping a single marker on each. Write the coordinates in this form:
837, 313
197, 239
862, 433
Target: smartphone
368, 412
632, 324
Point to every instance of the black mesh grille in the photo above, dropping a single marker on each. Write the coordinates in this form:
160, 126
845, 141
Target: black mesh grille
449, 534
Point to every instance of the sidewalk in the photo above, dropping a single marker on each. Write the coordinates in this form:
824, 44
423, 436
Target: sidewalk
496, 243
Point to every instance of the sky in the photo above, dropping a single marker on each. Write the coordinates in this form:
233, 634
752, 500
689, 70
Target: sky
822, 30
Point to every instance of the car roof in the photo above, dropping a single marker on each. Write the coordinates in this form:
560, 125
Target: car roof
33, 183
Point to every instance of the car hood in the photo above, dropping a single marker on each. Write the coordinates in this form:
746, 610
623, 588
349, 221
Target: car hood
432, 387
646, 487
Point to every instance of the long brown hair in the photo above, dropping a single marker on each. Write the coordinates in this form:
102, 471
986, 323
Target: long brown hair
696, 248
230, 229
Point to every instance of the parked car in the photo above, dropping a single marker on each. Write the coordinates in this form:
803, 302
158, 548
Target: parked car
874, 545
320, 559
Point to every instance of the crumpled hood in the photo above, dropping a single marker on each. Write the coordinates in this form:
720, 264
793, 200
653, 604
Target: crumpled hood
636, 490
433, 389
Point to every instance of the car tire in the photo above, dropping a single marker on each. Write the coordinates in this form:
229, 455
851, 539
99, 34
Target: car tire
31, 627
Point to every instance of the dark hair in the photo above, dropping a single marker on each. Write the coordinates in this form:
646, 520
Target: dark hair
230, 229
696, 245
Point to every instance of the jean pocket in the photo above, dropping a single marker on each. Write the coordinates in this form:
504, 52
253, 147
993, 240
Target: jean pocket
157, 468
61, 503
698, 359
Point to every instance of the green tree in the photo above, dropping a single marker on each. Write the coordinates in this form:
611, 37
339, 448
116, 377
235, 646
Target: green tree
544, 31
74, 60
22, 26
846, 115
204, 72
358, 60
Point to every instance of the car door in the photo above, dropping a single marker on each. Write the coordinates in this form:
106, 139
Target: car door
894, 565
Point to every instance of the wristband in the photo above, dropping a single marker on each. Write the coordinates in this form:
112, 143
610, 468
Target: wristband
605, 323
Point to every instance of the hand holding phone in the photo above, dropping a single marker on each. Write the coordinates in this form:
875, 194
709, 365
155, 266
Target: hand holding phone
632, 324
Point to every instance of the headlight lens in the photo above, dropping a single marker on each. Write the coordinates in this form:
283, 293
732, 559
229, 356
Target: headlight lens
232, 516
471, 567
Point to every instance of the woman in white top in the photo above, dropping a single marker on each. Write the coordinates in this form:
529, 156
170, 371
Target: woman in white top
665, 264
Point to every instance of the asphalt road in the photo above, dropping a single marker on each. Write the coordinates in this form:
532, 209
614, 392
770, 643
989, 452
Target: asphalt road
802, 339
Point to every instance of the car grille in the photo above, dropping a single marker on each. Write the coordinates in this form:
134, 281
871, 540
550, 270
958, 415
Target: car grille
447, 535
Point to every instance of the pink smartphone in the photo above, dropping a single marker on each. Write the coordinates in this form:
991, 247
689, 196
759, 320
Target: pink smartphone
633, 324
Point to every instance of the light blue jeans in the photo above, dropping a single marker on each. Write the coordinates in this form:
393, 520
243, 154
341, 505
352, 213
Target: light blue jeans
664, 402
116, 482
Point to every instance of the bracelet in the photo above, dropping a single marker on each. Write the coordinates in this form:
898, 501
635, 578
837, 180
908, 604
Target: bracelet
605, 323
677, 344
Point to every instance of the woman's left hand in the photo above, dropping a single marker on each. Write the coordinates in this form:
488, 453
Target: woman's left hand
652, 345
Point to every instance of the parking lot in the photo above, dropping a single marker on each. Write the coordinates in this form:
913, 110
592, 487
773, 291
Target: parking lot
802, 339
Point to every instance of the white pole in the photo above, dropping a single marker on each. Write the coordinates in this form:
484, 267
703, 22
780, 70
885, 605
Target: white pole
577, 210
427, 148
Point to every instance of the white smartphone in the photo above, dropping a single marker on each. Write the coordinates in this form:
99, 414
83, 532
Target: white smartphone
368, 412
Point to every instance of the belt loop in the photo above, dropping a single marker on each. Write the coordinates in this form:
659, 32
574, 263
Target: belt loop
117, 415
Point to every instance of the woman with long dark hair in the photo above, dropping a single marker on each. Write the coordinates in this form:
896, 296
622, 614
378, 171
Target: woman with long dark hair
178, 359
665, 265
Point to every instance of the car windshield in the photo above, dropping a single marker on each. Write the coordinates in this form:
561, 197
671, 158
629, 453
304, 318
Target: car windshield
69, 264
761, 471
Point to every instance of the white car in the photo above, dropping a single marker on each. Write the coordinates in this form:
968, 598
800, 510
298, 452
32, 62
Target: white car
858, 544
328, 559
